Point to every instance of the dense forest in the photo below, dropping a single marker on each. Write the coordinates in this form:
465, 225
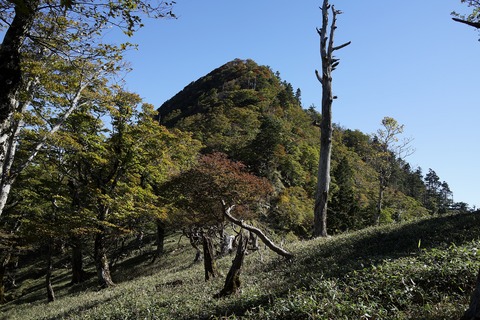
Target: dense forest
92, 175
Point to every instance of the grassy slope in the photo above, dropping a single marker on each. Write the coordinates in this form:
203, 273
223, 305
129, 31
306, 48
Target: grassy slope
420, 270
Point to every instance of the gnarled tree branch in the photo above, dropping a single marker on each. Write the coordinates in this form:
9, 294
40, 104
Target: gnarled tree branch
258, 232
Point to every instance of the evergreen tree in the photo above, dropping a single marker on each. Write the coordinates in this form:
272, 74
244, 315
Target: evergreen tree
432, 196
344, 212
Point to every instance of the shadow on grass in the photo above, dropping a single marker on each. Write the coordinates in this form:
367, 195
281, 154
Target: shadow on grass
142, 265
340, 255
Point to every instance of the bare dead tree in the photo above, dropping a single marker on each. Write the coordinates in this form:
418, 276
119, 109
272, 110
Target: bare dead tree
269, 243
329, 63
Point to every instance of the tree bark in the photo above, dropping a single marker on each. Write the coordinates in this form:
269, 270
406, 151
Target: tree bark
48, 274
232, 282
101, 260
209, 259
3, 270
379, 208
10, 86
10, 57
258, 232
326, 129
78, 274
473, 311
2, 285
160, 238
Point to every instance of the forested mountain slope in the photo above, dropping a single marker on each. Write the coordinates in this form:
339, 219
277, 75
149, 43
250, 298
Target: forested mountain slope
248, 112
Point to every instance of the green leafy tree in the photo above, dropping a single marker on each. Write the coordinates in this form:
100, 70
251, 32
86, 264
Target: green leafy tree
40, 35
42, 204
293, 211
211, 192
387, 149
112, 168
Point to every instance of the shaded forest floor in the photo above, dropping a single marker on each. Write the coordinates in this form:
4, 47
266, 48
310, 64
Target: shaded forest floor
418, 270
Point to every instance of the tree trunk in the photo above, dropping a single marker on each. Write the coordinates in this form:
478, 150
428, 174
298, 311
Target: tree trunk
232, 282
101, 261
10, 86
48, 276
2, 284
209, 259
378, 213
473, 311
227, 244
3, 270
254, 241
100, 251
269, 243
198, 256
326, 129
78, 274
10, 69
160, 238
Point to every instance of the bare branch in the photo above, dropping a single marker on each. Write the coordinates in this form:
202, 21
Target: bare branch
333, 26
73, 106
319, 78
341, 46
470, 23
256, 231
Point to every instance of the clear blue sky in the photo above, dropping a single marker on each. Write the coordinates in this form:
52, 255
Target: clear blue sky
407, 60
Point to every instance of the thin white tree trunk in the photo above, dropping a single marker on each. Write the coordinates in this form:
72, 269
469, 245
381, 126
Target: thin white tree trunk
269, 243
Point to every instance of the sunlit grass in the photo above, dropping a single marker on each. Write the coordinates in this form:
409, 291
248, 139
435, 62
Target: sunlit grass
420, 270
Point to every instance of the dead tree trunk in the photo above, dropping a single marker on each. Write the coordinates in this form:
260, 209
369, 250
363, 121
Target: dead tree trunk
209, 258
269, 243
232, 282
329, 63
